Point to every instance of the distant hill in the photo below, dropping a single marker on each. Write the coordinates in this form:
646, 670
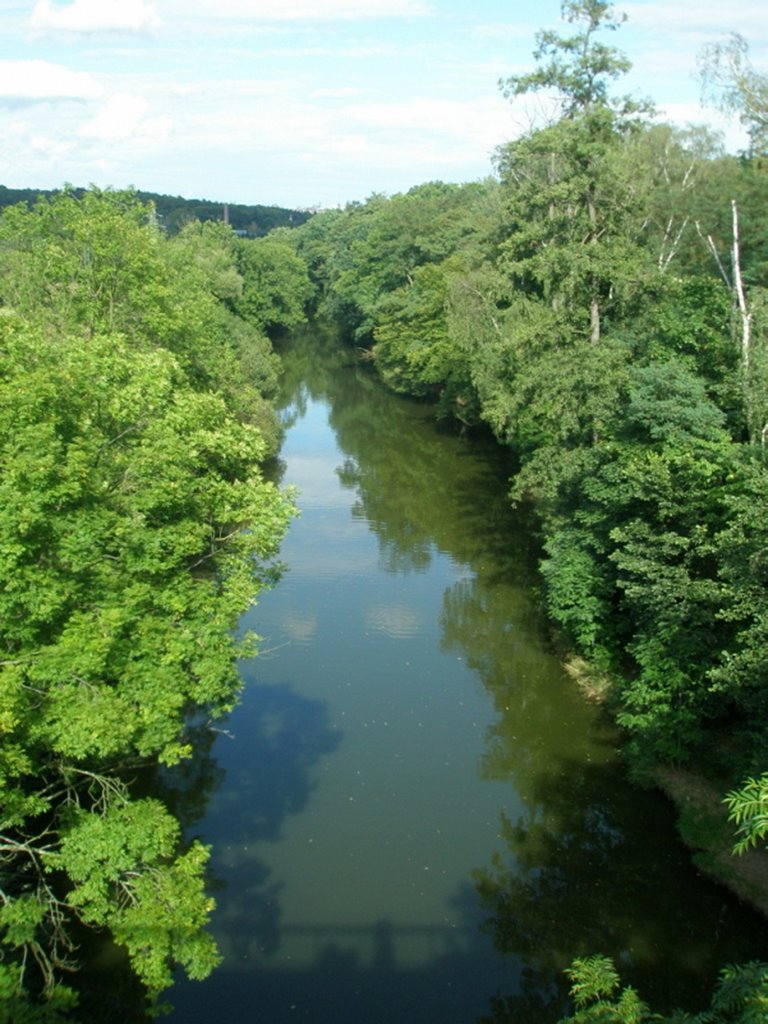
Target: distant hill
174, 211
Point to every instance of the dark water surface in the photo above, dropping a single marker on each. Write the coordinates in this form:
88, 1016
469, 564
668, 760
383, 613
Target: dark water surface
415, 818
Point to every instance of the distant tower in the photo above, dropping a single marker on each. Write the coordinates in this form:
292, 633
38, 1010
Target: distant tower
226, 213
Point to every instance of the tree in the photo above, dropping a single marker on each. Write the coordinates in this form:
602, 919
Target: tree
242, 365
731, 82
672, 167
571, 249
135, 530
417, 348
748, 810
93, 263
99, 264
276, 287
634, 559
576, 68
741, 997
376, 246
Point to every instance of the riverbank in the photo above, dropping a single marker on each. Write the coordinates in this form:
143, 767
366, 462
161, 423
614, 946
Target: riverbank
704, 828
702, 816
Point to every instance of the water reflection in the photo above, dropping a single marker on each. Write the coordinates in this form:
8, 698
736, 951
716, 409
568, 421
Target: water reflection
407, 725
578, 877
588, 849
379, 970
279, 738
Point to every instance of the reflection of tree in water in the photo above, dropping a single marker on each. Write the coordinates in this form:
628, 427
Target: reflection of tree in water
269, 778
423, 488
108, 989
360, 971
584, 875
594, 866
187, 787
287, 734
311, 371
540, 715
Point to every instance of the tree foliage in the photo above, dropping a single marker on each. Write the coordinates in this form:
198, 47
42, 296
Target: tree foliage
730, 81
577, 68
740, 997
135, 528
748, 810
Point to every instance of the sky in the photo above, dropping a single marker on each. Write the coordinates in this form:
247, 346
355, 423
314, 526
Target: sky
308, 103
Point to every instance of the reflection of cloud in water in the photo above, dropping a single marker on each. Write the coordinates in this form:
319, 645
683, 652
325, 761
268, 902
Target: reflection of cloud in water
299, 626
309, 473
396, 620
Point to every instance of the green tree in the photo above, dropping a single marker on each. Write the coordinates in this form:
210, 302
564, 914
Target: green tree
570, 202
572, 250
276, 288
135, 530
416, 347
376, 246
239, 362
634, 555
91, 264
741, 997
98, 264
576, 68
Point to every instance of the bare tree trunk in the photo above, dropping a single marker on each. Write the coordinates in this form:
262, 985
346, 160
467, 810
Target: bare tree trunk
738, 287
735, 284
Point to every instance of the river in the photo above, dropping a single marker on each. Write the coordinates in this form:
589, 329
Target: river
415, 817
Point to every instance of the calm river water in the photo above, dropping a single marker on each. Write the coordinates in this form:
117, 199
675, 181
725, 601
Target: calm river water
415, 818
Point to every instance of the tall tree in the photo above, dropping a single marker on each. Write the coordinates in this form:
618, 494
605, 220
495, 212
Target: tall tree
577, 68
569, 204
571, 249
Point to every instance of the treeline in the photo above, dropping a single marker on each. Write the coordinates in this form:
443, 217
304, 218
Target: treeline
591, 307
602, 307
136, 526
173, 212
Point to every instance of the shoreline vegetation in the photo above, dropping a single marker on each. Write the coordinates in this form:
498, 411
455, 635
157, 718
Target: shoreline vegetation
706, 830
703, 821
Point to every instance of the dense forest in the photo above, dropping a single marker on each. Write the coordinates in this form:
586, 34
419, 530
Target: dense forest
173, 212
600, 304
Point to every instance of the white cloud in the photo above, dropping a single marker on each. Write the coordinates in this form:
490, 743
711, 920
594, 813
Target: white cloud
694, 15
124, 117
399, 621
41, 80
340, 93
480, 120
34, 157
298, 10
734, 135
84, 16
